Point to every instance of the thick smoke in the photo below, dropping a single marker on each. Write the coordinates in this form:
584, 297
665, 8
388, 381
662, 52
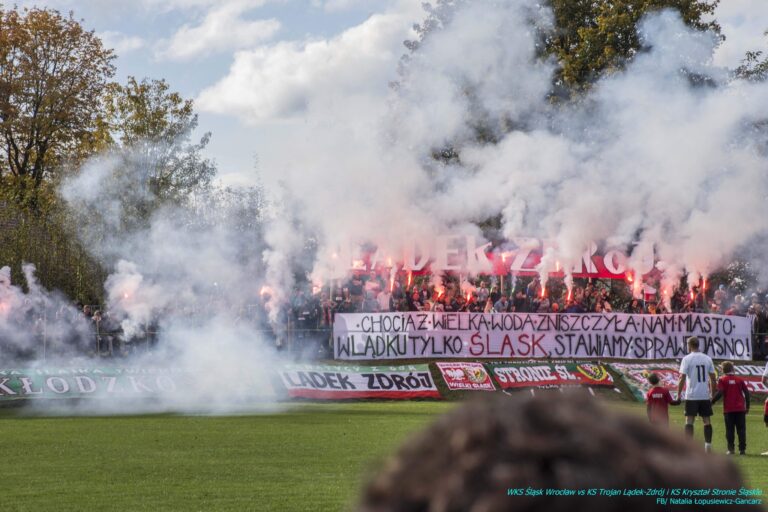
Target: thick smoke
666, 155
190, 275
37, 323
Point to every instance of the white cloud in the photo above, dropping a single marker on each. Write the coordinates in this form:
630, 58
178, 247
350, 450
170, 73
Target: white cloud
344, 5
171, 5
282, 80
743, 23
223, 28
121, 43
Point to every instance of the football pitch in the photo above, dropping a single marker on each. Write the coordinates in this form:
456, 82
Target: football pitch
306, 457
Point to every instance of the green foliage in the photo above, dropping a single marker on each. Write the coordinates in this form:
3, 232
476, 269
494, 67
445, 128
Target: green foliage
754, 67
594, 37
35, 228
151, 129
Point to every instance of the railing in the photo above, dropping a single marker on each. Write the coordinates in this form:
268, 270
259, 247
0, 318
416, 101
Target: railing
306, 343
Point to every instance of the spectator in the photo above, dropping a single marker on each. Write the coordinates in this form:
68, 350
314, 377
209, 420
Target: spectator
483, 293
502, 306
424, 294
370, 304
355, 286
384, 298
520, 301
414, 302
720, 296
533, 289
759, 327
495, 294
373, 284
634, 307
574, 307
469, 458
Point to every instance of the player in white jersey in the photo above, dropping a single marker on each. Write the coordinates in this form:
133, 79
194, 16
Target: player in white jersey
697, 378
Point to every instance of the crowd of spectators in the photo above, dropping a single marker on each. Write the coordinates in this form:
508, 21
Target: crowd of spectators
304, 323
370, 293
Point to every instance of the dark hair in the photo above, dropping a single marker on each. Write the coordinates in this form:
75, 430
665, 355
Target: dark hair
653, 379
470, 457
727, 367
693, 341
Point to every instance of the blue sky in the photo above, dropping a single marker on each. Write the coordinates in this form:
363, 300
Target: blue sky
259, 69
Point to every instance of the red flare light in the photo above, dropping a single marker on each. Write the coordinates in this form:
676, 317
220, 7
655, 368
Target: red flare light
543, 292
704, 283
630, 278
469, 296
570, 292
410, 276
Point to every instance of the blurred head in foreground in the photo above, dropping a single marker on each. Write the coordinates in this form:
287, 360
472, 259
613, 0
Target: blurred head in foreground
469, 458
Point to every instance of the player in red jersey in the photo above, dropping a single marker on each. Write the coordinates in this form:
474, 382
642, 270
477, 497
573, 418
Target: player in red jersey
735, 395
658, 401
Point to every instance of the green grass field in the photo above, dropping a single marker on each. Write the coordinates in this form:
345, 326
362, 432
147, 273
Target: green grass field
309, 457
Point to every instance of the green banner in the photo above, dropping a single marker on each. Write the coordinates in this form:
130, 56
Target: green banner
100, 382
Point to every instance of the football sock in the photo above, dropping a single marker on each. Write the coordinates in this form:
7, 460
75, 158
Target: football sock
708, 433
689, 430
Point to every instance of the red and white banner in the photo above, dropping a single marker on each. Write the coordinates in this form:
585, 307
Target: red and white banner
463, 376
636, 377
340, 382
519, 256
533, 374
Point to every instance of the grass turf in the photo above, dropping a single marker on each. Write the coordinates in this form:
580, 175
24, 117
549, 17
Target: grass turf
310, 457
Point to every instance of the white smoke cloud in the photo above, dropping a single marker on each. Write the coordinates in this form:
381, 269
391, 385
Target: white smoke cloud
743, 23
190, 275
667, 153
665, 150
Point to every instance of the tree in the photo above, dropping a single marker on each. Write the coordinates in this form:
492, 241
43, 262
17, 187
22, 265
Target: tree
151, 129
754, 67
52, 76
593, 37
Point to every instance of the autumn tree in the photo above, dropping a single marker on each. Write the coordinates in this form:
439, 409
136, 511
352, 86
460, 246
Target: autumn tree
53, 73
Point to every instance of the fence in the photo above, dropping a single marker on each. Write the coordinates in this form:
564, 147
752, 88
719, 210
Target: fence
293, 338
